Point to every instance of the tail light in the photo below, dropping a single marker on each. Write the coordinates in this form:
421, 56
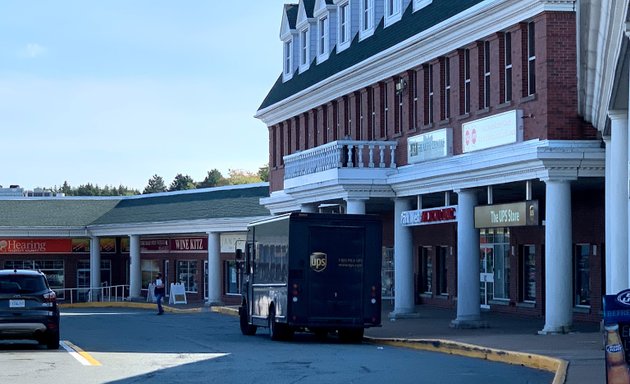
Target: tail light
295, 293
50, 297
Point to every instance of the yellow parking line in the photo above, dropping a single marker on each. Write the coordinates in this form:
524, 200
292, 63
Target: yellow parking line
88, 358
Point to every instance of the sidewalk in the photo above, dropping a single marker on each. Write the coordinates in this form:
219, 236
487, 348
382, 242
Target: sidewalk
508, 339
582, 348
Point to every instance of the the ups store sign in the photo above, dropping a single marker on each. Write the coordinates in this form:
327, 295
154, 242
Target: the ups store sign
507, 215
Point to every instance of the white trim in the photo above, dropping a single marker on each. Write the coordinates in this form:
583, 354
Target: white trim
529, 160
419, 4
466, 27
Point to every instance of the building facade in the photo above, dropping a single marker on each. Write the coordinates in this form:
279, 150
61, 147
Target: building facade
458, 123
85, 243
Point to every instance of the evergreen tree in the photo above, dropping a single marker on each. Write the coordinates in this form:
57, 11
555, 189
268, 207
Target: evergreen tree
156, 184
182, 182
213, 179
263, 173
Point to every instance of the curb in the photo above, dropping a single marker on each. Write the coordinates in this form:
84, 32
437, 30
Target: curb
130, 304
551, 364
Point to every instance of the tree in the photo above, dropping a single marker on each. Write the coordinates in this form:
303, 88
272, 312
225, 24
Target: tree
213, 179
263, 173
182, 182
238, 176
156, 184
66, 189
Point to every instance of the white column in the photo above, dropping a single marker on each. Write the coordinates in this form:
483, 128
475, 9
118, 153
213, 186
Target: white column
135, 272
618, 200
308, 208
404, 304
558, 257
214, 268
468, 296
607, 222
95, 268
355, 206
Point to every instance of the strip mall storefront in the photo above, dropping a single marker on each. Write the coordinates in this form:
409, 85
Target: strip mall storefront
66, 262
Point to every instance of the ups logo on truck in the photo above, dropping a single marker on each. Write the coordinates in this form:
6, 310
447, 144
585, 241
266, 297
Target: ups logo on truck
318, 261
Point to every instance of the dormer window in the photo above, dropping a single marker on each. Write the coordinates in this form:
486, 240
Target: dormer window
367, 18
393, 11
322, 48
344, 25
303, 47
288, 59
419, 4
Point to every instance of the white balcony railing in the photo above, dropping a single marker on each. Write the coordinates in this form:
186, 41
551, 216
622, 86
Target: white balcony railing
341, 154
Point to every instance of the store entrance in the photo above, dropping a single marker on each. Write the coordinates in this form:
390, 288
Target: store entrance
494, 265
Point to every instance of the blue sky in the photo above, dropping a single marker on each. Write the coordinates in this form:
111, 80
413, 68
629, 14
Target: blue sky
113, 92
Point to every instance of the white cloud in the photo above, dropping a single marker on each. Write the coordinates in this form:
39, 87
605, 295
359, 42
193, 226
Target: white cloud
32, 51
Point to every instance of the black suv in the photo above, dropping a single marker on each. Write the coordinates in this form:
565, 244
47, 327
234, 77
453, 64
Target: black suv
28, 307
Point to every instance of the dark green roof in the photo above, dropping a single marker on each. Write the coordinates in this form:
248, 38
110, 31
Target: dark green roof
211, 203
410, 25
291, 11
221, 203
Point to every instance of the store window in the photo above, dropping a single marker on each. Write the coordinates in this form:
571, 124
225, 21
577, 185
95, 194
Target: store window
83, 277
426, 274
53, 269
150, 269
387, 273
582, 275
231, 278
187, 274
442, 270
528, 273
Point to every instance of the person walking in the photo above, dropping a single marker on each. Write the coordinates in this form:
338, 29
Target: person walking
159, 292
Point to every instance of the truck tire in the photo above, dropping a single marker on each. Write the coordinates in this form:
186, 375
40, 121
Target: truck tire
246, 328
278, 331
351, 335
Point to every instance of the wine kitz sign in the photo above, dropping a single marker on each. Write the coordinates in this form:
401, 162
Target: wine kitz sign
429, 216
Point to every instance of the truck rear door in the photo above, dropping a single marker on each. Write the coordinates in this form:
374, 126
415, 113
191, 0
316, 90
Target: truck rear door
335, 276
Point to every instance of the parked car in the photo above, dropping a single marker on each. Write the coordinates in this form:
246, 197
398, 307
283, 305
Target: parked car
28, 307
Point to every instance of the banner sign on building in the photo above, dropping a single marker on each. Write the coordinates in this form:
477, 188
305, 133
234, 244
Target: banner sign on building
153, 245
429, 216
507, 215
231, 241
492, 131
190, 244
31, 246
430, 145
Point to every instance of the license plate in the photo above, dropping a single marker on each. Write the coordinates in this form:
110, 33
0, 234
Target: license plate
17, 304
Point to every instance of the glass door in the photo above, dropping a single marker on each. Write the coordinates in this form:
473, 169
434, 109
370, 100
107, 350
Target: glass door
486, 275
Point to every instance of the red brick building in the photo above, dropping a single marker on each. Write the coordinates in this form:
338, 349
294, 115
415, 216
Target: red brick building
457, 122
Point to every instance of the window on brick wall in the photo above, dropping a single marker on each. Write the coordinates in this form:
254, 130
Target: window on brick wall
507, 56
326, 123
372, 109
446, 105
399, 110
385, 122
531, 58
486, 74
428, 119
466, 87
413, 79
